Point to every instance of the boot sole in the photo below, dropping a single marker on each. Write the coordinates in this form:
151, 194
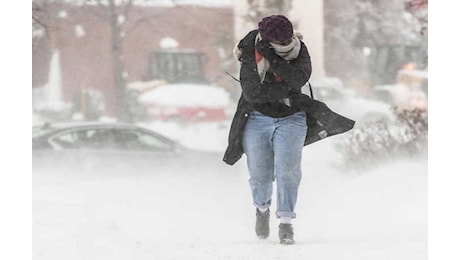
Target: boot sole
287, 241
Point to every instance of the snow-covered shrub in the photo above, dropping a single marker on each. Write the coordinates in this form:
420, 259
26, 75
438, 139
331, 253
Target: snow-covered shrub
413, 131
380, 141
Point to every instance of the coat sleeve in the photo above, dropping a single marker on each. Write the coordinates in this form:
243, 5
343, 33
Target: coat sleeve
297, 72
256, 92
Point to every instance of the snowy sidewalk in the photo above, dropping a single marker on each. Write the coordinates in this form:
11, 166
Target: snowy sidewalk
378, 214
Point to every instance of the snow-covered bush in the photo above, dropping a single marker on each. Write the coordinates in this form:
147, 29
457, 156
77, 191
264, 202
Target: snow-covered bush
414, 131
377, 142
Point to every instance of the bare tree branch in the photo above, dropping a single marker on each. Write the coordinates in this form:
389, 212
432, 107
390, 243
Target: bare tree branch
36, 9
38, 15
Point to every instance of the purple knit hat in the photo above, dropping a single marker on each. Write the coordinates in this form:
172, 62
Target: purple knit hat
275, 28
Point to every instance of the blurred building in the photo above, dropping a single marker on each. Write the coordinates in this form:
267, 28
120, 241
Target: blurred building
82, 36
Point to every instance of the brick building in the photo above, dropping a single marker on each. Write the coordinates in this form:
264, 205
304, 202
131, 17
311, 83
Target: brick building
83, 38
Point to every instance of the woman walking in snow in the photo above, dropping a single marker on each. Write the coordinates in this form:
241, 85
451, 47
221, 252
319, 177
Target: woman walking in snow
269, 125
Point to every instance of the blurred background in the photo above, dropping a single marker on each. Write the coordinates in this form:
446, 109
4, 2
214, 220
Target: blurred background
168, 65
106, 59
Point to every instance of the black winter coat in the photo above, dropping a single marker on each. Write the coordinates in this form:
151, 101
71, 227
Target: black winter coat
322, 122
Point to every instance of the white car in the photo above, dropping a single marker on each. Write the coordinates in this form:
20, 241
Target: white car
114, 148
187, 102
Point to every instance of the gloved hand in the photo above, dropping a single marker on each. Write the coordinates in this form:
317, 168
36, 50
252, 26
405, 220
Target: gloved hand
266, 50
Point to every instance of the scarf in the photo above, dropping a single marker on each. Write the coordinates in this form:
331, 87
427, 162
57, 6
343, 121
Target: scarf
287, 52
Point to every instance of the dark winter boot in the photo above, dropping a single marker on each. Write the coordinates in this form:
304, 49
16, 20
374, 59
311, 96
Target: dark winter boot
286, 234
263, 223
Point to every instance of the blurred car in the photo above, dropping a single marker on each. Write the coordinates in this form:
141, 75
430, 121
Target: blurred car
409, 92
112, 147
347, 103
187, 103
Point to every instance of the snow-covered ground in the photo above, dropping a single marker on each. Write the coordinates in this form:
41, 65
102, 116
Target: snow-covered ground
377, 214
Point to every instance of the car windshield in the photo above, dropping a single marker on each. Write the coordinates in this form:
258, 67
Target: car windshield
109, 138
39, 130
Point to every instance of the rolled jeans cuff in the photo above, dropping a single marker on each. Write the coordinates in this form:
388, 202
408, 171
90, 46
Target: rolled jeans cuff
288, 214
266, 206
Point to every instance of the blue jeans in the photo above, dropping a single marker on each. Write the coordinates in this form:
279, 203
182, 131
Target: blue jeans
273, 147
